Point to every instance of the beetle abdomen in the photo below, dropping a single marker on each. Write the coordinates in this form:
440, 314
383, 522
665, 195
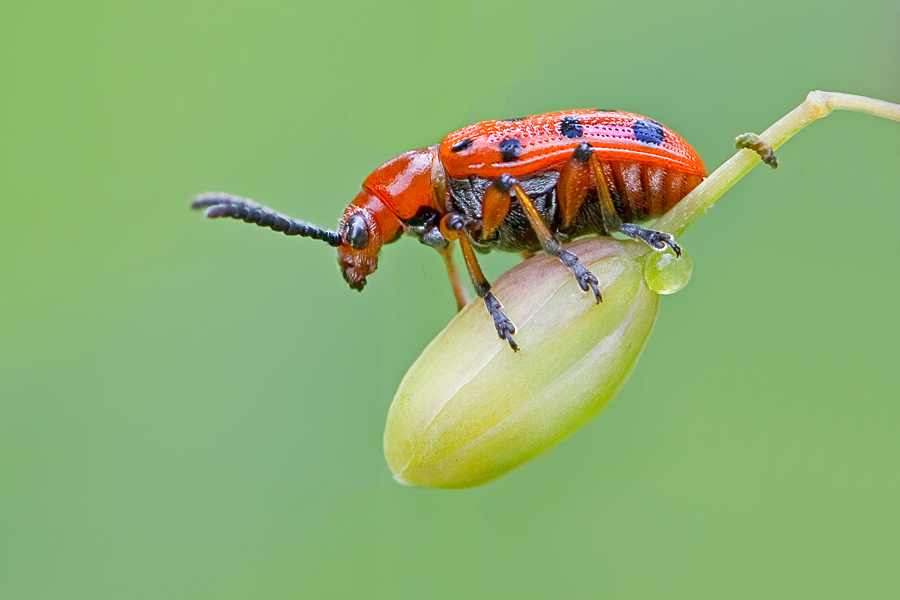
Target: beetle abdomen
645, 191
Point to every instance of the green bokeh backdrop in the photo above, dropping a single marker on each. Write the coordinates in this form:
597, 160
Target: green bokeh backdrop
194, 409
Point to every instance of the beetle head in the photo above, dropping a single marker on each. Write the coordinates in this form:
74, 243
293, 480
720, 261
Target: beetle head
366, 226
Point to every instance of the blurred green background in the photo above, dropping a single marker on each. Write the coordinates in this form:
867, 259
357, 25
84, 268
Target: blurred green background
194, 409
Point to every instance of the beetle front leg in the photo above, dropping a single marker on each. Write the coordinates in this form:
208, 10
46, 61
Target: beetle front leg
459, 292
453, 227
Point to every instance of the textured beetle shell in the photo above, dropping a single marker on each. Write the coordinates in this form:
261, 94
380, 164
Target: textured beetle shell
648, 167
548, 140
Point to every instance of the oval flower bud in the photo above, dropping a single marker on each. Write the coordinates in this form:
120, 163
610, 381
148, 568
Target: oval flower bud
471, 409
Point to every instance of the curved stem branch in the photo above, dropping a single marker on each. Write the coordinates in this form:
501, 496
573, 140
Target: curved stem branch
817, 104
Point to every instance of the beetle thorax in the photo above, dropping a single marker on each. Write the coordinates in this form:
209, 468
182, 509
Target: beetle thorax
514, 234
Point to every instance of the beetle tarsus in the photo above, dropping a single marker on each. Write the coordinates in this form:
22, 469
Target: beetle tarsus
658, 240
504, 326
586, 280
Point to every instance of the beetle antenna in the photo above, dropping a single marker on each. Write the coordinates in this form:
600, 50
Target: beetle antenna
220, 204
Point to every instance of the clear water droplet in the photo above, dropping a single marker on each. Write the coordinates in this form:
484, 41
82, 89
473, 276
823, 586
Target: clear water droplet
666, 273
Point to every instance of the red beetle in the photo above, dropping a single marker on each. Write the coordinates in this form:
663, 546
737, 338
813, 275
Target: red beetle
516, 185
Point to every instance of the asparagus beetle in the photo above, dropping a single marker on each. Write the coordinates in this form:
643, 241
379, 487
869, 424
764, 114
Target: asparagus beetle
519, 185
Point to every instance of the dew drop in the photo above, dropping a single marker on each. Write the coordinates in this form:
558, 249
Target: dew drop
666, 273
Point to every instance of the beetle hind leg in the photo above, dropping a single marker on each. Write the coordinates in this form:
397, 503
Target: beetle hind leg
658, 240
575, 181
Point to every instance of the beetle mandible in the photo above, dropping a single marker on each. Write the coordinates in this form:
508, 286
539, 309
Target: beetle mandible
519, 185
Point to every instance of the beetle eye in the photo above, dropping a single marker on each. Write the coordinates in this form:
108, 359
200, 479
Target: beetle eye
356, 232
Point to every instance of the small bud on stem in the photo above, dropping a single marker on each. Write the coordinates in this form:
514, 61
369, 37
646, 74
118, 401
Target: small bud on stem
469, 410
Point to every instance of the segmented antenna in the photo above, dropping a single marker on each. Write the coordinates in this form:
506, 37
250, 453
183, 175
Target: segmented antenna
220, 204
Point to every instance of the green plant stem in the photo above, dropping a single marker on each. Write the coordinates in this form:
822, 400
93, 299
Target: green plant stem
818, 104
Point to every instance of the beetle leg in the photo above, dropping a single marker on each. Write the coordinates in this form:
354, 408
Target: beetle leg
585, 278
453, 227
657, 240
494, 207
574, 183
611, 219
459, 292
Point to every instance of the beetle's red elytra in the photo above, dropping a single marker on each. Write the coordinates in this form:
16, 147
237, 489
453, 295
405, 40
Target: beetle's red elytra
519, 185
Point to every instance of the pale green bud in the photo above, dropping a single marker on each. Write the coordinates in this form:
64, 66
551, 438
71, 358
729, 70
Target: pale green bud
471, 409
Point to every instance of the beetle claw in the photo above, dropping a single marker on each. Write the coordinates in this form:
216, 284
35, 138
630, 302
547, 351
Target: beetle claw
587, 280
663, 240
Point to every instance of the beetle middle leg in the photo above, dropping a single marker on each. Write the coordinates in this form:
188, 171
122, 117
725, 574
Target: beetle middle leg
586, 280
453, 227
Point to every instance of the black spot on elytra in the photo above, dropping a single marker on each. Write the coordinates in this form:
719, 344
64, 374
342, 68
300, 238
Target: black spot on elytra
510, 149
461, 145
649, 131
570, 127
